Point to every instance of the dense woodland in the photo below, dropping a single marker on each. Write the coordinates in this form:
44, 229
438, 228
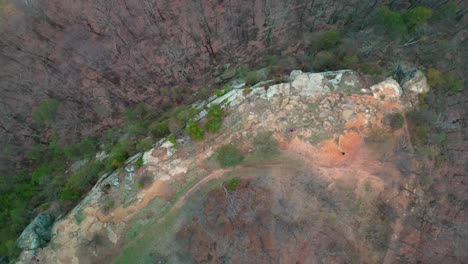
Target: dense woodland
78, 77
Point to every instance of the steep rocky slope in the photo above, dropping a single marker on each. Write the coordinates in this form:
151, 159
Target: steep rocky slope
342, 188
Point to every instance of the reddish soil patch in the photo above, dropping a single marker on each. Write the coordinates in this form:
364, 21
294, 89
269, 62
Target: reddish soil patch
332, 154
122, 214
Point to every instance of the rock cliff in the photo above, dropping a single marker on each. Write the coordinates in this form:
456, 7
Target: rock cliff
341, 188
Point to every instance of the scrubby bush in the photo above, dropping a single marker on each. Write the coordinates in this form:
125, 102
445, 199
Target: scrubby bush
392, 22
417, 16
144, 144
454, 83
329, 40
172, 139
119, 154
232, 184
137, 127
246, 90
137, 120
228, 156
139, 162
266, 147
325, 60
179, 118
252, 78
395, 120
437, 80
159, 129
194, 130
214, 121
45, 113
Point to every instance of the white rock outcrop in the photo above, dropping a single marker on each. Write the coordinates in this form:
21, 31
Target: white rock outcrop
388, 89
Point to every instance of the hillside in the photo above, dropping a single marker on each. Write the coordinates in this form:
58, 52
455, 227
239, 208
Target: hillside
112, 112
320, 169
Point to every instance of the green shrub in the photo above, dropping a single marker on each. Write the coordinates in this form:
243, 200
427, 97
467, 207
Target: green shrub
110, 204
173, 140
228, 156
392, 22
46, 112
144, 144
80, 216
350, 62
246, 90
417, 16
179, 118
252, 78
219, 92
232, 184
454, 83
85, 149
266, 147
137, 113
325, 60
69, 195
329, 40
137, 127
194, 131
139, 162
119, 154
437, 80
214, 119
38, 175
159, 129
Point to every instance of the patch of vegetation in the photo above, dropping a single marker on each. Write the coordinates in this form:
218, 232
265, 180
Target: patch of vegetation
77, 183
252, 78
266, 147
330, 39
144, 144
417, 16
194, 131
437, 80
80, 216
392, 22
110, 204
395, 121
214, 121
46, 112
139, 162
173, 139
232, 184
159, 129
229, 156
179, 118
247, 90
428, 139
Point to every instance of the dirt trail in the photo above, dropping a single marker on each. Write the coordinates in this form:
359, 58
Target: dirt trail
159, 188
217, 174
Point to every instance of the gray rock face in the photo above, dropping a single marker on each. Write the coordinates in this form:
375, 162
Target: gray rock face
37, 234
